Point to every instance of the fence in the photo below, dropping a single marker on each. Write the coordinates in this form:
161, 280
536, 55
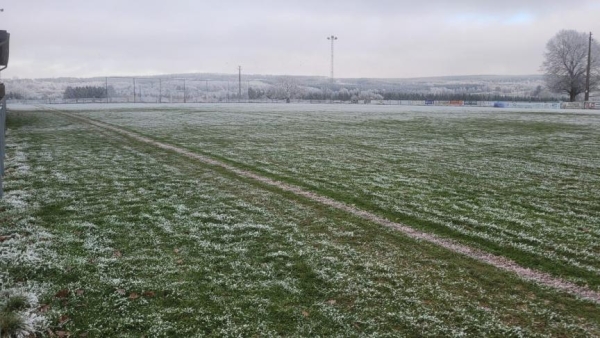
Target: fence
460, 103
592, 105
2, 141
431, 103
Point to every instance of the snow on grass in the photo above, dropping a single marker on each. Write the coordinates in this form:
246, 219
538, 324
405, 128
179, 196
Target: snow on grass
16, 165
29, 320
25, 247
524, 184
148, 242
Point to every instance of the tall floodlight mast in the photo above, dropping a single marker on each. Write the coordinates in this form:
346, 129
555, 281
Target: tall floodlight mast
332, 39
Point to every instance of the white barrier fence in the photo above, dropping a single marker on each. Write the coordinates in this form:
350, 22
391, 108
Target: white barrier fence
494, 104
581, 105
459, 103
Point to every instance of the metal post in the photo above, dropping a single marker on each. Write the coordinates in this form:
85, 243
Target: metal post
2, 141
159, 90
184, 100
239, 83
206, 91
589, 66
106, 85
134, 90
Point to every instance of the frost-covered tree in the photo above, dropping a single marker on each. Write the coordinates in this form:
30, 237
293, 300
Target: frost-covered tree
286, 88
369, 95
290, 88
565, 64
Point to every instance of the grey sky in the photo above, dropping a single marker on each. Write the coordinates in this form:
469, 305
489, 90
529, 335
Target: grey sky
52, 38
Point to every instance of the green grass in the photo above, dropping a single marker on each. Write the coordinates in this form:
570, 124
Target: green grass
15, 303
9, 323
148, 242
523, 185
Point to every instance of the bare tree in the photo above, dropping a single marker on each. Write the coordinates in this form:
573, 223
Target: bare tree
286, 88
566, 63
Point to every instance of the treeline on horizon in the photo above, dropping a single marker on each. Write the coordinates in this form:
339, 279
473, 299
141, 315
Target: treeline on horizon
14, 96
87, 92
344, 94
340, 96
98, 92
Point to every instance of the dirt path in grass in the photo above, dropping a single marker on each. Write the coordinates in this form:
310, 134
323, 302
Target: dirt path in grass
497, 261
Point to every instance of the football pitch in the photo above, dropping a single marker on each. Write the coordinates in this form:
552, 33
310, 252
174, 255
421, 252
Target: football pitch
179, 220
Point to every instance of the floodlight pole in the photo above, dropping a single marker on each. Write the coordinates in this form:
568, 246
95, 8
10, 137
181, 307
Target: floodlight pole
589, 67
332, 39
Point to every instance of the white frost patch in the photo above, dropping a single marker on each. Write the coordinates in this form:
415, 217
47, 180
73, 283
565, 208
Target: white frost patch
16, 166
181, 208
19, 160
32, 321
97, 245
27, 251
60, 176
278, 254
84, 225
17, 198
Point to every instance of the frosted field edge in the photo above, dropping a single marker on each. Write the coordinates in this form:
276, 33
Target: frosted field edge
492, 177
208, 253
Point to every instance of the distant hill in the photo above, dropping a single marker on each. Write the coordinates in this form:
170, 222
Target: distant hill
225, 85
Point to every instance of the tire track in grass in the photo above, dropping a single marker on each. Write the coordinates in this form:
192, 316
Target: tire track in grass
499, 262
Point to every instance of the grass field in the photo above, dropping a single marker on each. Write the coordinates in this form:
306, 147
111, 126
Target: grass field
109, 236
523, 185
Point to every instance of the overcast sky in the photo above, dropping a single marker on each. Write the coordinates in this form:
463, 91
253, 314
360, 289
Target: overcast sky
386, 38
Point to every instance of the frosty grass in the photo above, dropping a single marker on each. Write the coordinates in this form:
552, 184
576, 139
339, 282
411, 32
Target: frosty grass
521, 184
150, 242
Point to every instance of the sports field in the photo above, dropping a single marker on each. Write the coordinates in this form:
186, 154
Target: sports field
109, 234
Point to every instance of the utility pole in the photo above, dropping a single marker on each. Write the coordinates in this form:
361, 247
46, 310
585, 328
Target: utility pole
239, 83
589, 67
332, 39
